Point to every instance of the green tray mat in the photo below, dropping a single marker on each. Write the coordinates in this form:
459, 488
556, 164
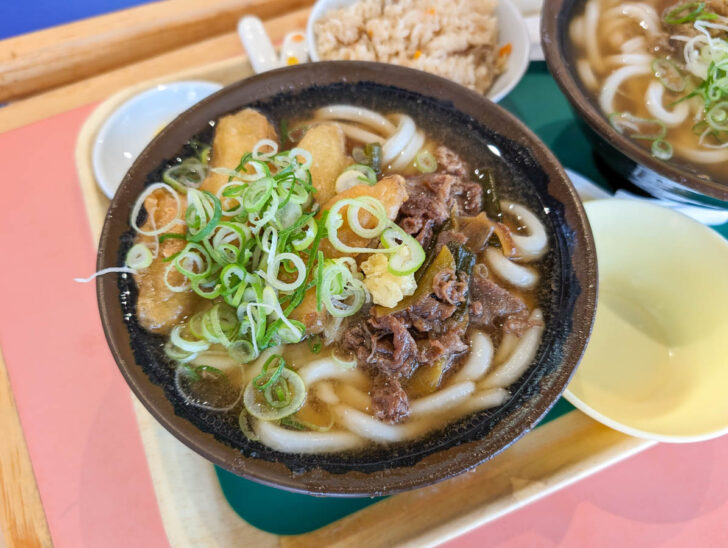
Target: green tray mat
540, 104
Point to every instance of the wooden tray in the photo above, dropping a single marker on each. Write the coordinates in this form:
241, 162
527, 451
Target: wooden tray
195, 512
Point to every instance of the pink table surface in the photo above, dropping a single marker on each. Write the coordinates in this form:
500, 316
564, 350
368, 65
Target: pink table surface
81, 432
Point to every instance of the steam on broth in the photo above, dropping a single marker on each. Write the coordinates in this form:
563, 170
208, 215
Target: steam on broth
347, 282
659, 70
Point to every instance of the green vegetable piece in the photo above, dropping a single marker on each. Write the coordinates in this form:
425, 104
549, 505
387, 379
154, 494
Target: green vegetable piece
491, 202
374, 153
686, 13
442, 261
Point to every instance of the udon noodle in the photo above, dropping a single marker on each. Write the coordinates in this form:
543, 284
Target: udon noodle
659, 71
348, 281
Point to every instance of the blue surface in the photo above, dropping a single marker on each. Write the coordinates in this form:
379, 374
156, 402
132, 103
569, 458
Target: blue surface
18, 17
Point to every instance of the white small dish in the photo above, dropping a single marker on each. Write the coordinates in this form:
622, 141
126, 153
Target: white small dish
656, 365
512, 30
130, 127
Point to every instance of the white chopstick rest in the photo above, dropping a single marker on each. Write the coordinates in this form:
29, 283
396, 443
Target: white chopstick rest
294, 49
255, 40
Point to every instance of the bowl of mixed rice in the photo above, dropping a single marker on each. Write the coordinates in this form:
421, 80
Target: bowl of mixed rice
481, 44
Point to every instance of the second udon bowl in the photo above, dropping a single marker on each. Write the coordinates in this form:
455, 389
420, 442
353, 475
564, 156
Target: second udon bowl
457, 115
674, 179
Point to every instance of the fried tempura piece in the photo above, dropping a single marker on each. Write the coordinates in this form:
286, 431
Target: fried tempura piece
327, 145
159, 308
235, 135
391, 191
307, 313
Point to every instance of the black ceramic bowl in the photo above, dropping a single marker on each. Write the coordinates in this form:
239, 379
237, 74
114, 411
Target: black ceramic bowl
673, 180
470, 123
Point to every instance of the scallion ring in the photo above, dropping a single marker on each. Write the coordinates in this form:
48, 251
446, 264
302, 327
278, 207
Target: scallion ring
307, 235
408, 255
139, 257
263, 411
661, 149
425, 162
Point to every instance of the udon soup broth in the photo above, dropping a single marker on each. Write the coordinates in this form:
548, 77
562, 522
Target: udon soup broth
659, 71
336, 281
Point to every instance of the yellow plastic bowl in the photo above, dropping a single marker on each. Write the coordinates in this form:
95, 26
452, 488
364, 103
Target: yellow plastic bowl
657, 362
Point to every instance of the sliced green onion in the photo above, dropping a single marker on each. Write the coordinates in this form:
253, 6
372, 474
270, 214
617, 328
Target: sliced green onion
334, 221
139, 257
357, 174
295, 390
187, 345
242, 351
271, 276
685, 13
204, 155
315, 344
193, 262
265, 379
669, 75
374, 153
245, 427
298, 424
637, 128
359, 156
288, 214
171, 236
184, 286
425, 162
365, 173
409, 254
257, 194
188, 174
717, 116
341, 293
177, 354
265, 156
207, 290
294, 153
270, 299
307, 235
209, 369
204, 212
140, 203
661, 149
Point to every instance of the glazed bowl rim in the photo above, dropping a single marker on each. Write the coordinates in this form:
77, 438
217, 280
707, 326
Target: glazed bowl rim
443, 463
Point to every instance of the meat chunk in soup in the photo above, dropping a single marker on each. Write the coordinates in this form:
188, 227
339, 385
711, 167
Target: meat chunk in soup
493, 307
433, 199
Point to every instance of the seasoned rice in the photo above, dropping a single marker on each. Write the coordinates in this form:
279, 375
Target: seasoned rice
456, 39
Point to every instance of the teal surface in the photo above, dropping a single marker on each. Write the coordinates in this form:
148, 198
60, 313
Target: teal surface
540, 104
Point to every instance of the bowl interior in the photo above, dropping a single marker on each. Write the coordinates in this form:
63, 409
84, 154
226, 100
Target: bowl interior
677, 179
511, 27
526, 171
655, 364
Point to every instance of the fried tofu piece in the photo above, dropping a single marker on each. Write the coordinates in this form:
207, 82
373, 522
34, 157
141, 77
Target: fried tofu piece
391, 191
308, 314
235, 135
158, 307
327, 145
